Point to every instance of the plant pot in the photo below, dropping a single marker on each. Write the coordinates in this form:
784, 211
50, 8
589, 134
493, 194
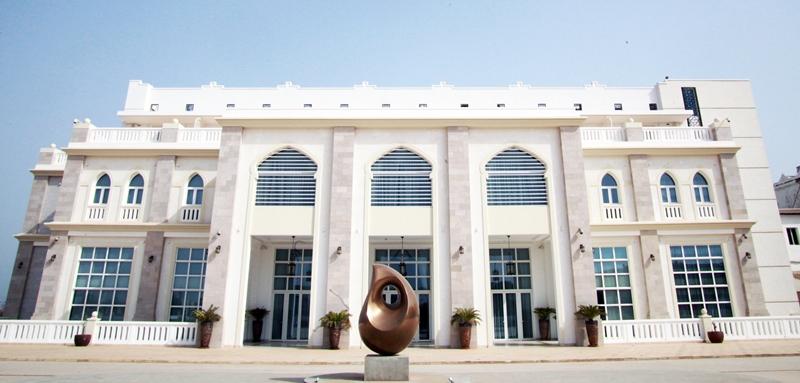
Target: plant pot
465, 335
591, 332
258, 325
205, 333
716, 336
544, 329
333, 337
82, 340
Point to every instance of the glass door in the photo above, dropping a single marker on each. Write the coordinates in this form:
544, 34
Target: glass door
512, 311
415, 265
291, 295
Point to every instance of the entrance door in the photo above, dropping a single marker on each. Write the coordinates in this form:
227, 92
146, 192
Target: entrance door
291, 295
417, 265
512, 311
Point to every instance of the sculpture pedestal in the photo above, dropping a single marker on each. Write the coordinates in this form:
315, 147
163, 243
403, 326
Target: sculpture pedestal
386, 368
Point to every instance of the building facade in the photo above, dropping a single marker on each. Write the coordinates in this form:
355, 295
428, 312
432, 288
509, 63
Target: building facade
654, 202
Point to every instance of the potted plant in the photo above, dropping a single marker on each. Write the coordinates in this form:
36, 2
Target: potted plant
82, 340
716, 336
335, 323
544, 313
258, 315
588, 313
465, 317
205, 320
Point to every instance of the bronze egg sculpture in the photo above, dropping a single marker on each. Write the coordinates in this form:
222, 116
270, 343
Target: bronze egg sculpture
388, 328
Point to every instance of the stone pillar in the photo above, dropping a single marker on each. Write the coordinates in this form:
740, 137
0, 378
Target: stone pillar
653, 275
578, 222
341, 212
634, 131
19, 277
461, 272
150, 276
33, 223
220, 279
642, 195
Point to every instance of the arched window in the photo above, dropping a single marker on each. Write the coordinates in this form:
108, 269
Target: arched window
286, 178
101, 190
194, 191
516, 178
401, 178
609, 189
701, 191
669, 192
135, 190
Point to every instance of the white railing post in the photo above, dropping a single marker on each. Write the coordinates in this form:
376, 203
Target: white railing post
706, 324
90, 325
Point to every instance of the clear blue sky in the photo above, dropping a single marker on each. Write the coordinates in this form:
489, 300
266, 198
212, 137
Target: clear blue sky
73, 59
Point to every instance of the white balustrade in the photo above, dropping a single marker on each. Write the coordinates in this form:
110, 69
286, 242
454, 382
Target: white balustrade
672, 211
652, 330
664, 134
190, 214
39, 331
124, 135
200, 135
59, 158
603, 134
96, 213
130, 213
740, 328
146, 333
706, 210
612, 212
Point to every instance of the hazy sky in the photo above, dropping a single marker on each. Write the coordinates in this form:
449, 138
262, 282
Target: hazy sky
73, 59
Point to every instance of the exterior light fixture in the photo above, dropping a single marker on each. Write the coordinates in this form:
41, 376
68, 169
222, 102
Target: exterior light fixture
580, 231
151, 258
402, 256
461, 250
510, 269
652, 258
217, 249
582, 248
52, 258
292, 257
19, 265
748, 255
339, 250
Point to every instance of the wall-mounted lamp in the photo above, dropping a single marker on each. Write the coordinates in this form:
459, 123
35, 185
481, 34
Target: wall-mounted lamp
748, 255
580, 231
582, 248
217, 249
219, 234
52, 258
652, 258
151, 258
339, 250
461, 250
19, 265
744, 236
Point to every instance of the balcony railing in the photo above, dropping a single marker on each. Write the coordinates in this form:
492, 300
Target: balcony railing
612, 212
124, 135
199, 135
96, 213
648, 134
677, 134
190, 214
672, 211
706, 210
603, 134
130, 213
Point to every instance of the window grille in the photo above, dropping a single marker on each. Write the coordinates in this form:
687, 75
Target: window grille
187, 284
700, 281
702, 193
286, 178
516, 178
609, 190
135, 190
401, 178
102, 189
101, 283
690, 102
613, 282
194, 191
669, 191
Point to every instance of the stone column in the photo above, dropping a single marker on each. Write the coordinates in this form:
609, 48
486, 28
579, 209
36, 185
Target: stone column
341, 212
642, 195
578, 221
220, 279
19, 277
461, 272
150, 276
655, 284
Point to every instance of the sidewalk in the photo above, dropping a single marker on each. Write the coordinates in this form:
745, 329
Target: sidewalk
418, 356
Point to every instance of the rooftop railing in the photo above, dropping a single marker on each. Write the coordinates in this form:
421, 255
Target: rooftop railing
202, 136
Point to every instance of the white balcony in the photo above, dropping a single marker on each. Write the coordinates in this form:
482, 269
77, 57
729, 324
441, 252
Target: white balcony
199, 135
671, 211
612, 212
130, 214
603, 134
96, 212
190, 214
124, 135
677, 134
706, 211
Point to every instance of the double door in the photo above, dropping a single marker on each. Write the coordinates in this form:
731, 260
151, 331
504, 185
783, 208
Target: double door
512, 310
291, 297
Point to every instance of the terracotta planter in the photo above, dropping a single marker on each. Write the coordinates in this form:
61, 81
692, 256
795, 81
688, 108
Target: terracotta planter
205, 333
544, 329
82, 340
333, 337
591, 332
258, 325
465, 335
716, 336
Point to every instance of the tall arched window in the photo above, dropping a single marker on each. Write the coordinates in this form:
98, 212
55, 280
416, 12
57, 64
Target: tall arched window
515, 178
101, 190
701, 191
609, 189
286, 178
669, 192
401, 178
135, 190
194, 191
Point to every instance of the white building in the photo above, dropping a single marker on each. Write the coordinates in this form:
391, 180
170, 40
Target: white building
503, 199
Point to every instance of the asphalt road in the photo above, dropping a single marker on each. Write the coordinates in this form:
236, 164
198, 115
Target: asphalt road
774, 369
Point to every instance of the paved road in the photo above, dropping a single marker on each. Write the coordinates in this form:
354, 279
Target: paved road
773, 369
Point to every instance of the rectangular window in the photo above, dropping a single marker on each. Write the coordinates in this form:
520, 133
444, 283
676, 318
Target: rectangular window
154, 107
266, 106
102, 283
791, 232
613, 282
307, 105
189, 107
187, 284
465, 105
230, 106
700, 280
386, 105
423, 105
501, 105
344, 105
653, 106
690, 103
577, 106
617, 106
541, 106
